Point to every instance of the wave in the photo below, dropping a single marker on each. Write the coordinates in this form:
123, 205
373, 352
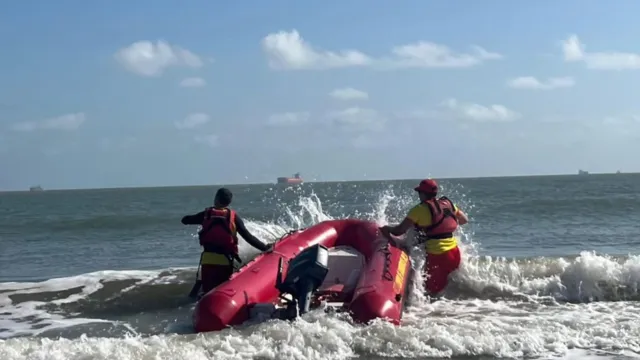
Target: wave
585, 278
494, 306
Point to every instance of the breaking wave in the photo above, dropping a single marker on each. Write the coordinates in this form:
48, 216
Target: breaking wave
496, 307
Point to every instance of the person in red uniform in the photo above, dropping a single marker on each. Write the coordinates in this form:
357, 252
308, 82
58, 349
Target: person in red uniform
435, 220
219, 238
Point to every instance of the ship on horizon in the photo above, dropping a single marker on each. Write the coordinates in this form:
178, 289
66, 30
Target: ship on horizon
583, 172
296, 179
36, 188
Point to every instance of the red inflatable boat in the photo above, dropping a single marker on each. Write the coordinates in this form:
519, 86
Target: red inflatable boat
344, 263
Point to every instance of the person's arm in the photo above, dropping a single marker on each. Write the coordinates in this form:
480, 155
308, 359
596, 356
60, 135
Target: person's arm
404, 226
196, 219
252, 240
401, 228
461, 216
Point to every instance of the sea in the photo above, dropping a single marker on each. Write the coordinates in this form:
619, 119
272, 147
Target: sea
551, 270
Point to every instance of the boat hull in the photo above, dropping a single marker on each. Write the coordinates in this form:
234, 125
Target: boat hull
379, 292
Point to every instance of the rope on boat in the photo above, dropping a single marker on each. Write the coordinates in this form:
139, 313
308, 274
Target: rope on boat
386, 273
290, 232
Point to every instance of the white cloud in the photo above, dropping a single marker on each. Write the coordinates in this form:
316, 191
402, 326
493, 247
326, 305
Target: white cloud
574, 51
288, 118
68, 122
209, 140
357, 118
288, 50
429, 55
481, 113
192, 121
193, 82
148, 59
530, 82
349, 94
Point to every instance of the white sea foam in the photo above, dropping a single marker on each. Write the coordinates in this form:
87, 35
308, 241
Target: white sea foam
514, 309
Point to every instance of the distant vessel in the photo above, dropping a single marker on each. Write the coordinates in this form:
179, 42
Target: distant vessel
582, 172
618, 172
296, 179
36, 188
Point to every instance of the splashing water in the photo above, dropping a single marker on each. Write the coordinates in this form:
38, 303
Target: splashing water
495, 307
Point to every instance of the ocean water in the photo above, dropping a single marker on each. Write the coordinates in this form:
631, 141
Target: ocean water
550, 270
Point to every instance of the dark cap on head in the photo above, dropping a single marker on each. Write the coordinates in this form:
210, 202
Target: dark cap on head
427, 186
223, 197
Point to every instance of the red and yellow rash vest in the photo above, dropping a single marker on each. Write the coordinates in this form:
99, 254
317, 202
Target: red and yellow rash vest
435, 222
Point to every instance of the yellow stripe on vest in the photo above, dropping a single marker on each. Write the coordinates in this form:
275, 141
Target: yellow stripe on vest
209, 258
440, 246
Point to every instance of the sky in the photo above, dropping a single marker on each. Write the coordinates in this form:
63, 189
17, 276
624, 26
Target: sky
155, 93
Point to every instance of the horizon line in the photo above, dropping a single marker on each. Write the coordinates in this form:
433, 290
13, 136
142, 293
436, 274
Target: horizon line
310, 182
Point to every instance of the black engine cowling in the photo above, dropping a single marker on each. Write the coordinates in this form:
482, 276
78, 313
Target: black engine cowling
305, 274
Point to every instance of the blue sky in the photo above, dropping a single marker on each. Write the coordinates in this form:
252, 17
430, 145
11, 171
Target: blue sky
148, 93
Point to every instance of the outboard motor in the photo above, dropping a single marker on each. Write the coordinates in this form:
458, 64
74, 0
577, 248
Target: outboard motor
305, 274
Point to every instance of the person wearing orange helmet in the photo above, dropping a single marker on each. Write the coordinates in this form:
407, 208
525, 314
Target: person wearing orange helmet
434, 220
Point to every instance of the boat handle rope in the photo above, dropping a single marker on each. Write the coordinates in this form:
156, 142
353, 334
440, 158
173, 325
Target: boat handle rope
386, 273
290, 232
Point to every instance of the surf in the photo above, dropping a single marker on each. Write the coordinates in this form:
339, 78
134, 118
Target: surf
499, 307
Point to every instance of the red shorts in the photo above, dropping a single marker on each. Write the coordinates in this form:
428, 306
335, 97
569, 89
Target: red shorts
214, 275
438, 268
